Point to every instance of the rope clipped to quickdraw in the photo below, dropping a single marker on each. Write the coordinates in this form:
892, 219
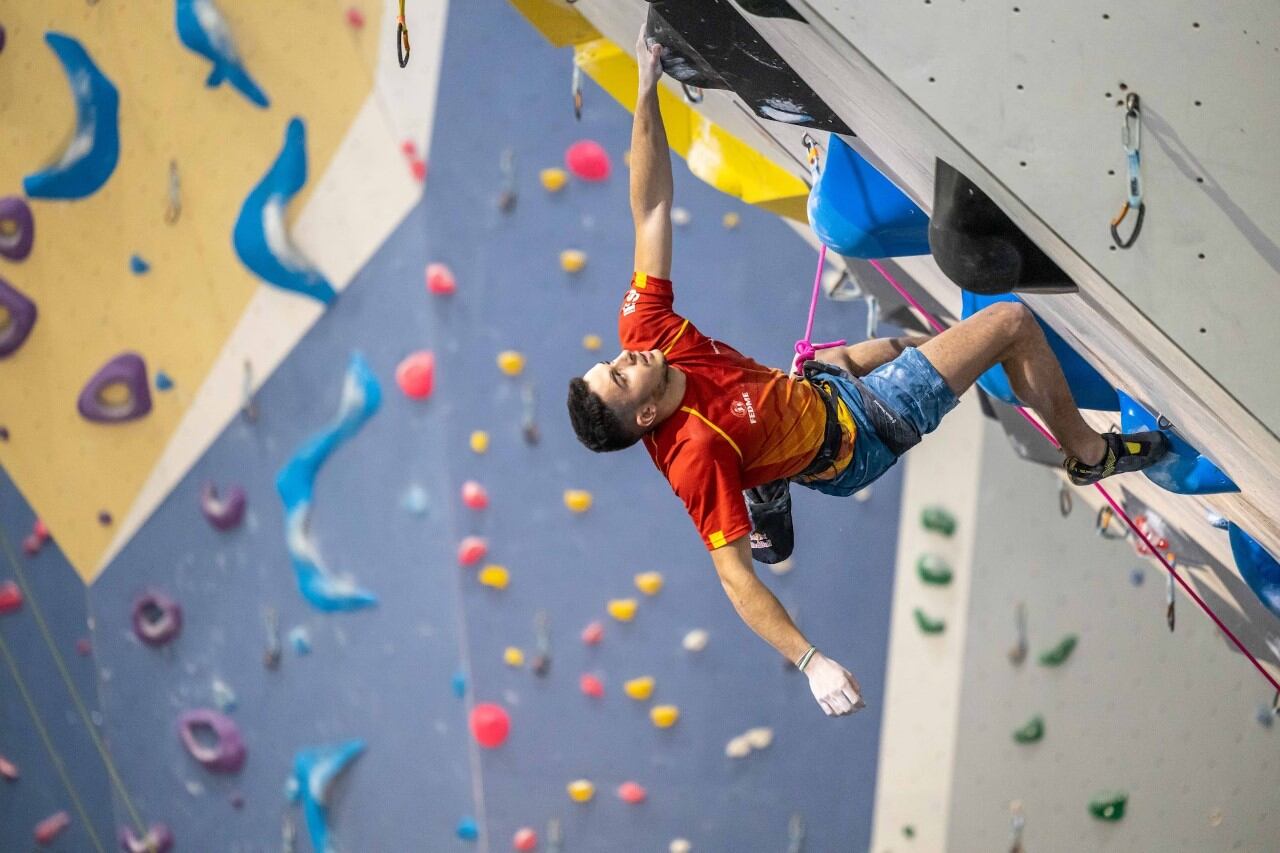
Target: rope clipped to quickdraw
806, 349
402, 38
1131, 139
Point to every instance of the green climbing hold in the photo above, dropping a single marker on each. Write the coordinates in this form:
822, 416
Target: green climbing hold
1031, 732
909, 831
938, 520
1108, 806
929, 625
1058, 655
933, 570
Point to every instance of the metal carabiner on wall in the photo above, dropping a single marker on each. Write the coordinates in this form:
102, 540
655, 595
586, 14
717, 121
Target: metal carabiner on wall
402, 38
1131, 139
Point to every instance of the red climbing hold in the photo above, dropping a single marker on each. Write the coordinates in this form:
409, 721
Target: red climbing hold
472, 550
630, 792
440, 280
586, 159
416, 375
419, 169
525, 839
8, 769
593, 634
10, 597
591, 685
490, 725
51, 827
355, 18
474, 496
83, 647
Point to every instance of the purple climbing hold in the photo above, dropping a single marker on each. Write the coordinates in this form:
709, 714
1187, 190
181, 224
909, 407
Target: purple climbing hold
21, 313
17, 228
227, 752
127, 370
1, 37
157, 618
223, 513
157, 840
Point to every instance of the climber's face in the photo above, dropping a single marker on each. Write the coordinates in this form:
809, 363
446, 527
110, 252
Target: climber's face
631, 383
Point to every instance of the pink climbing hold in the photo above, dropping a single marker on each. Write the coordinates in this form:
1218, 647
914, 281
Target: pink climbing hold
591, 686
36, 539
51, 827
440, 280
472, 550
10, 597
525, 839
593, 634
631, 792
586, 159
355, 18
490, 725
416, 375
474, 495
8, 769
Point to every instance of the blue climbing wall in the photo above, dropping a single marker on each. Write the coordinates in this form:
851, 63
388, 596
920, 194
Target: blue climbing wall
384, 674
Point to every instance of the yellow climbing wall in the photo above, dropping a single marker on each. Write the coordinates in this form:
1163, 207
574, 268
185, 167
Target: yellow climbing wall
310, 62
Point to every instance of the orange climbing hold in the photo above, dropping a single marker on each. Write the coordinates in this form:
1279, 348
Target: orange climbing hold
416, 375
472, 550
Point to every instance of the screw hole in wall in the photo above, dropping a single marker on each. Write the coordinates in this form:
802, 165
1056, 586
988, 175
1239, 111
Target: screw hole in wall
1203, 331
1200, 256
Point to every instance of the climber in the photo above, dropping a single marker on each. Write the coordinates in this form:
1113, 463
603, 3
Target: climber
717, 423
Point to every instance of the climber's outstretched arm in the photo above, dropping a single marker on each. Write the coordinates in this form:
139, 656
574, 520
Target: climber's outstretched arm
651, 187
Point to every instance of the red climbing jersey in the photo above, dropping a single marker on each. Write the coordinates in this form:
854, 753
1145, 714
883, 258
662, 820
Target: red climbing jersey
740, 424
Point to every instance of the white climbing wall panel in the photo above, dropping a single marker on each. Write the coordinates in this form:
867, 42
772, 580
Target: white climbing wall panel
1168, 718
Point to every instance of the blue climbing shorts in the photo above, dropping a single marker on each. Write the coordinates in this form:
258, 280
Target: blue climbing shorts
916, 392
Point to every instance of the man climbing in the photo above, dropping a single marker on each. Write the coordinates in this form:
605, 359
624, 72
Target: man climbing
717, 423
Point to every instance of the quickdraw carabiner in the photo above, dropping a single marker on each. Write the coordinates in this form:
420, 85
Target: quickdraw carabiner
1131, 139
402, 38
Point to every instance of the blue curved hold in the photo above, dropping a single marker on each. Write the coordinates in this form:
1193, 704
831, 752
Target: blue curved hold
361, 396
202, 28
1088, 387
91, 156
1183, 470
261, 237
468, 829
860, 213
314, 770
1259, 569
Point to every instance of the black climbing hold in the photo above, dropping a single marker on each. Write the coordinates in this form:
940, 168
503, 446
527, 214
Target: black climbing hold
979, 248
710, 45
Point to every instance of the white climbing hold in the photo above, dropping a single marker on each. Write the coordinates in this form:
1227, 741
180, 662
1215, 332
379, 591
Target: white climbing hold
695, 640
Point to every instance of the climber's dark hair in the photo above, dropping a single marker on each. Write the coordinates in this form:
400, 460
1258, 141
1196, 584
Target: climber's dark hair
597, 426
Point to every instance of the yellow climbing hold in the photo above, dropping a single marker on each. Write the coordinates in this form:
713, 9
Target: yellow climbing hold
479, 441
592, 342
664, 716
649, 582
731, 220
622, 609
513, 656
581, 791
553, 179
511, 362
573, 260
640, 688
577, 500
495, 576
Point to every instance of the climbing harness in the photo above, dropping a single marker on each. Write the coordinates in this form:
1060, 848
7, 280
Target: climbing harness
1112, 505
402, 38
1131, 139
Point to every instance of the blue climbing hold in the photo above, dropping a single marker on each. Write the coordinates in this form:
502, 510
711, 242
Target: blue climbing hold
91, 156
468, 830
1183, 470
860, 213
1259, 569
261, 236
460, 684
138, 265
163, 381
1088, 387
314, 770
203, 29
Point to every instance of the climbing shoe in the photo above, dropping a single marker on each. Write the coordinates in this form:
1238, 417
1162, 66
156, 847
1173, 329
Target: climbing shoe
1125, 452
772, 537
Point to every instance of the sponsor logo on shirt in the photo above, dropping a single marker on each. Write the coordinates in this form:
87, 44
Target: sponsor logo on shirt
743, 408
629, 301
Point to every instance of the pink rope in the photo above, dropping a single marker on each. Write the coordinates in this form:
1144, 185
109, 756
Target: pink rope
806, 349
1105, 494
